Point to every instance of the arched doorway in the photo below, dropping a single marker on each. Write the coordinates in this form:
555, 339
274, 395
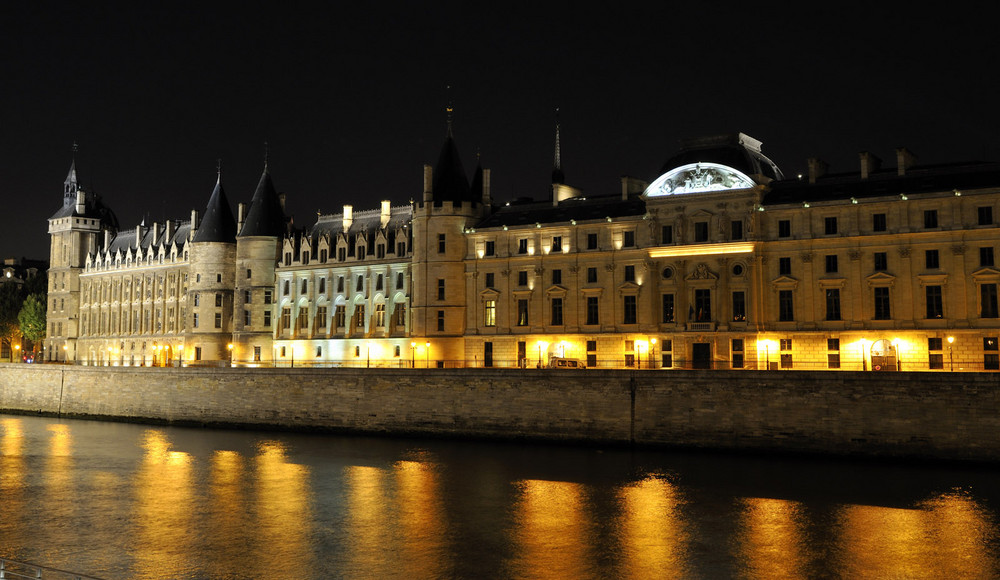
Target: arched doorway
883, 355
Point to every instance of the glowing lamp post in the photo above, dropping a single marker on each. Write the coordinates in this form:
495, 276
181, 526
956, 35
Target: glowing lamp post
541, 345
229, 347
652, 342
413, 351
427, 353
951, 353
864, 362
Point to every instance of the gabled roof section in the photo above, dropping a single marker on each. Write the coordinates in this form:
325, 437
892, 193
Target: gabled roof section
579, 209
265, 217
218, 225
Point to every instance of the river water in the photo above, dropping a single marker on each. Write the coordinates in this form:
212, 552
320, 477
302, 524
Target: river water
120, 500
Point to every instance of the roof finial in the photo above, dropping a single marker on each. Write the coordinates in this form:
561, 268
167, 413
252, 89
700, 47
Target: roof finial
218, 169
265, 155
557, 173
449, 109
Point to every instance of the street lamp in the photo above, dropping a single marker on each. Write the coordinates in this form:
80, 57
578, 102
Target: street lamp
864, 361
368, 355
413, 351
541, 345
17, 352
652, 342
229, 347
951, 353
427, 353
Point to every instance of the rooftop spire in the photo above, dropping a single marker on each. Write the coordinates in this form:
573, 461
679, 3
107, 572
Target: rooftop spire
218, 225
557, 172
71, 184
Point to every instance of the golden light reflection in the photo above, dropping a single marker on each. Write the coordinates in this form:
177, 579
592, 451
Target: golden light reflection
230, 529
284, 518
12, 482
947, 537
772, 539
369, 524
59, 490
652, 535
551, 534
422, 520
165, 515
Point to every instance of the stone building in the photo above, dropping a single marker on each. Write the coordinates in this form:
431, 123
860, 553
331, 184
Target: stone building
720, 261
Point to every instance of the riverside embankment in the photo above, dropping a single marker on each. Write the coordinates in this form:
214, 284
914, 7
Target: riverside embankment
905, 414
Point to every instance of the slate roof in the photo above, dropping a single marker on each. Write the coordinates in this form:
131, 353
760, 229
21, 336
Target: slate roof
736, 150
218, 223
450, 181
917, 180
264, 216
577, 208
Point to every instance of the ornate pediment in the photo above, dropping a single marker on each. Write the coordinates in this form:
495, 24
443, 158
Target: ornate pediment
784, 283
879, 279
698, 177
701, 272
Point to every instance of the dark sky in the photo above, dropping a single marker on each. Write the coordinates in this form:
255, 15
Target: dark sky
351, 98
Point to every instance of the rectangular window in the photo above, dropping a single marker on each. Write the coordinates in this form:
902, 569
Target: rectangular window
785, 307
881, 297
218, 320
931, 259
302, 321
340, 283
831, 264
321, 317
246, 318
878, 222
736, 230
668, 308
490, 280
522, 278
522, 246
702, 305
935, 305
440, 321
833, 303
256, 353
930, 219
988, 299
833, 360
881, 261
667, 235
985, 215
491, 248
935, 343
557, 312
593, 310
360, 284
739, 306
737, 348
305, 286
194, 321
784, 228
785, 344
990, 343
935, 361
522, 312
700, 232
784, 266
830, 226
629, 310
786, 360
378, 282
267, 319
592, 275
340, 316
628, 239
556, 276
286, 318
359, 316
591, 241
556, 243
833, 344
630, 273
197, 353
441, 243
986, 257
490, 313
440, 289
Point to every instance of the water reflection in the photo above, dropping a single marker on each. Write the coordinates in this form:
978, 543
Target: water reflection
12, 485
165, 510
423, 532
230, 528
368, 524
284, 515
652, 533
551, 535
946, 537
771, 542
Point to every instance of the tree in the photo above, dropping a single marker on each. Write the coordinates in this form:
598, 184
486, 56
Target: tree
10, 305
31, 318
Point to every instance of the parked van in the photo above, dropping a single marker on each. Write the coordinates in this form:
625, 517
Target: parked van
565, 363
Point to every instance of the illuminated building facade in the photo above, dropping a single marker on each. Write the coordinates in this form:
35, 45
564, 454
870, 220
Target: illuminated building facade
719, 262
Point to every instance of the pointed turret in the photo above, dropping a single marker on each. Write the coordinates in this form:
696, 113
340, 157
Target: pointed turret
218, 225
450, 182
265, 216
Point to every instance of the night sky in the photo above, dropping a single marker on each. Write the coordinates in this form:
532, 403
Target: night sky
351, 98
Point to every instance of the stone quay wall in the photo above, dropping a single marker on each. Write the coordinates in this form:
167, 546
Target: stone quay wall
905, 414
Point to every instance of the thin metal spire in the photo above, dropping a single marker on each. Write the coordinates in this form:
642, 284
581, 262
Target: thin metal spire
557, 172
266, 151
218, 169
449, 109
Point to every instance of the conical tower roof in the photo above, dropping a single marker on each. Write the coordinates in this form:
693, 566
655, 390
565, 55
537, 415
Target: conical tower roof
450, 182
265, 217
218, 225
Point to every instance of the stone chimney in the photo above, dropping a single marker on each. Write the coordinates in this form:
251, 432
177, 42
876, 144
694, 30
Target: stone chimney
348, 217
428, 183
632, 186
817, 168
385, 214
241, 214
107, 239
138, 236
170, 228
194, 224
869, 164
156, 232
905, 159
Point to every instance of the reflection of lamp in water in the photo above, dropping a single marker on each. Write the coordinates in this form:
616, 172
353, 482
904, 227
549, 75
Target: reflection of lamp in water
951, 353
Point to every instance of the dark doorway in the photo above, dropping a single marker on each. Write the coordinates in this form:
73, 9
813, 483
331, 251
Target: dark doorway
701, 355
487, 354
